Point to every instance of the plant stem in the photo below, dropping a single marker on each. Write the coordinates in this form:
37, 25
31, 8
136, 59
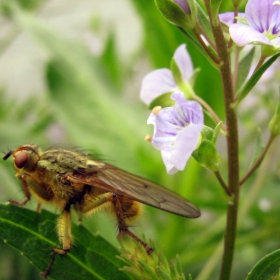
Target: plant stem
232, 147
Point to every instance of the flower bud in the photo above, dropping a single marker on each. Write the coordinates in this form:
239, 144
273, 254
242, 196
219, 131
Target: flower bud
181, 13
207, 156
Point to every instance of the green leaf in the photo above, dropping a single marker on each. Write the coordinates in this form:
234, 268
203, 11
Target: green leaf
266, 267
203, 20
274, 124
259, 146
110, 61
215, 7
34, 235
244, 67
253, 80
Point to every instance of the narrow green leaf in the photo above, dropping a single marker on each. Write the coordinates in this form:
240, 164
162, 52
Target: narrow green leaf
203, 20
259, 146
215, 7
266, 267
111, 62
34, 235
253, 80
244, 67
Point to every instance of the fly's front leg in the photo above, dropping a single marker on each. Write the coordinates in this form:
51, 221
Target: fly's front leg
65, 238
64, 231
123, 229
25, 190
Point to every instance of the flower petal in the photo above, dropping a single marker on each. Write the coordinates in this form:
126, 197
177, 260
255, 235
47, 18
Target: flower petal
176, 131
243, 34
156, 83
259, 14
184, 62
228, 18
275, 20
184, 146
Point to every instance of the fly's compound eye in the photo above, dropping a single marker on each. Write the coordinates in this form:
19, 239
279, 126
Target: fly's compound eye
21, 158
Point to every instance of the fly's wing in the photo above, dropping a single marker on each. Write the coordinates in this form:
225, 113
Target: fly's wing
121, 182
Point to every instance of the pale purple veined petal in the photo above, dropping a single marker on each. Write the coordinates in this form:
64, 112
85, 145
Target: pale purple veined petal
185, 144
184, 62
275, 20
161, 81
243, 34
228, 18
259, 14
176, 131
156, 83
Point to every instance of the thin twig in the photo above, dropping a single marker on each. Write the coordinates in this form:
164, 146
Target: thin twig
222, 182
210, 111
258, 161
211, 43
206, 49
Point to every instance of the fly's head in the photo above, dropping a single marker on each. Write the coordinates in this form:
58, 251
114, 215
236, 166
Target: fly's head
25, 158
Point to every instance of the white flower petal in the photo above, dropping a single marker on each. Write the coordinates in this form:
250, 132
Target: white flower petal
184, 62
156, 83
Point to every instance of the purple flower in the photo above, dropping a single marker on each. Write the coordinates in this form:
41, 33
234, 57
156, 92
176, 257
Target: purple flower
177, 131
260, 25
161, 81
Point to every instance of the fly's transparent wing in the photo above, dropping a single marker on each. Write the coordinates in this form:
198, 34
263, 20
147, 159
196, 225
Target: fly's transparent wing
121, 182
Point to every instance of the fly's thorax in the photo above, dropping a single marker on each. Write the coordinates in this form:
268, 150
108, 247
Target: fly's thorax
26, 158
70, 160
89, 166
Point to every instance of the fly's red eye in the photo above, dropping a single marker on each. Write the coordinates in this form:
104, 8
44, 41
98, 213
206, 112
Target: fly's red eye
21, 159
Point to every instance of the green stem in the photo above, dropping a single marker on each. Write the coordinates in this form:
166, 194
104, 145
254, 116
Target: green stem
258, 161
223, 184
210, 111
260, 62
232, 147
207, 50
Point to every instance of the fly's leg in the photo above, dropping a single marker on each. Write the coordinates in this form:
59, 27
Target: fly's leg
65, 237
25, 186
25, 190
39, 206
123, 229
47, 270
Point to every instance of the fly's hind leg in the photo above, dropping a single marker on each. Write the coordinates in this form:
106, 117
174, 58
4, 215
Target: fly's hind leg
123, 214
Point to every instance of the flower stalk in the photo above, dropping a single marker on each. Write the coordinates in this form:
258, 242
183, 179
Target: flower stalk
232, 148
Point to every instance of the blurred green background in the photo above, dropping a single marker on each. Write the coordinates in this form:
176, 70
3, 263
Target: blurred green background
70, 74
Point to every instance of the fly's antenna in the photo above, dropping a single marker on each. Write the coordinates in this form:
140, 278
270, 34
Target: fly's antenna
7, 155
